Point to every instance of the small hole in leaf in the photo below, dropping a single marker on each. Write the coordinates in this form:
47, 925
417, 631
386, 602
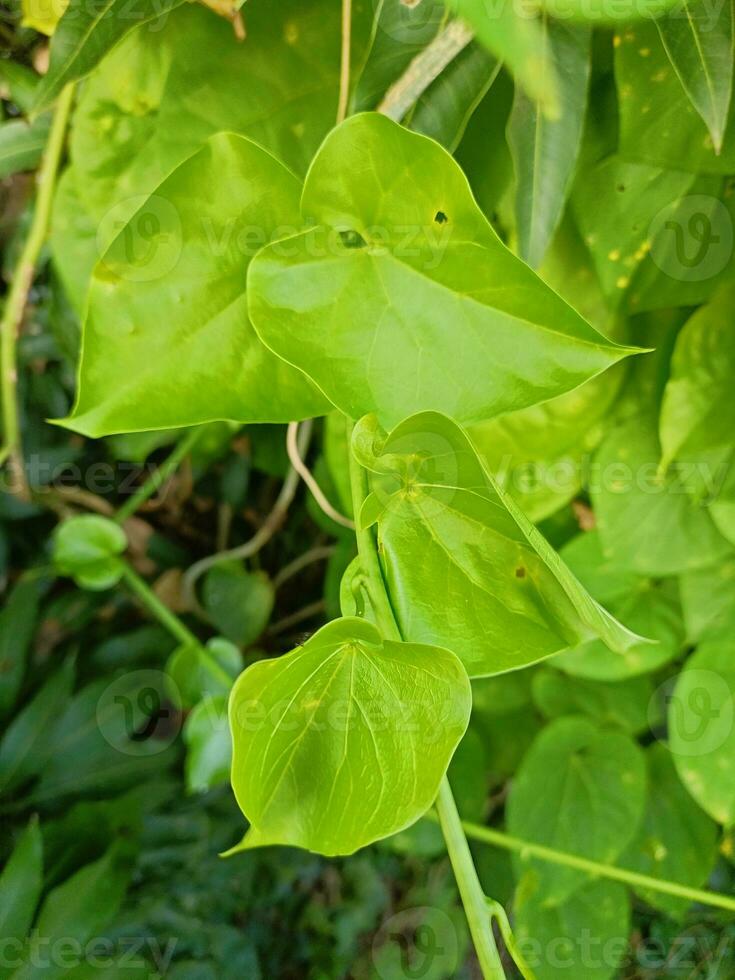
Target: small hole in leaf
352, 239
520, 572
440, 218
621, 187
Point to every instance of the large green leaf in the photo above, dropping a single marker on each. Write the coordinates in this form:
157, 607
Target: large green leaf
580, 789
545, 150
21, 882
401, 252
698, 409
167, 340
586, 936
677, 841
650, 522
151, 104
659, 123
345, 740
699, 42
86, 33
702, 726
445, 526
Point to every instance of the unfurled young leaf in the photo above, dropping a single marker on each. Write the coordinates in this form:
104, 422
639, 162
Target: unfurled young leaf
345, 740
443, 523
403, 277
698, 409
699, 41
167, 340
580, 789
545, 150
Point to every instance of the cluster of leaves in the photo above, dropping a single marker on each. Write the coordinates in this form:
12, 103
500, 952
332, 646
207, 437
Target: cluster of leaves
234, 256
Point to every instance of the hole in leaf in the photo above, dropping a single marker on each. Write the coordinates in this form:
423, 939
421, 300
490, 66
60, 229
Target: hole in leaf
440, 218
352, 239
520, 572
621, 187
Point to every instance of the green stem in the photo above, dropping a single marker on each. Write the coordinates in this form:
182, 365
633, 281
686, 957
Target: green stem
473, 897
159, 476
21, 283
489, 835
150, 600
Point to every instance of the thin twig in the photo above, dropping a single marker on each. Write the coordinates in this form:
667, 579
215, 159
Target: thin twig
307, 612
320, 553
344, 70
17, 298
261, 537
425, 69
306, 475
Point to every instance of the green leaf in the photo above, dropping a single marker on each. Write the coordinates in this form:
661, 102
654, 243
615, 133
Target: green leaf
17, 625
649, 522
545, 150
624, 704
346, 718
519, 42
586, 936
707, 597
615, 202
239, 603
25, 742
167, 340
702, 727
648, 607
196, 672
446, 106
698, 410
401, 252
445, 524
88, 549
85, 34
676, 841
699, 43
21, 145
208, 745
659, 123
75, 912
21, 882
580, 789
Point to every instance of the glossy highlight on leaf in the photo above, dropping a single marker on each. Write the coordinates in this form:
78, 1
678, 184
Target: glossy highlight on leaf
403, 299
345, 740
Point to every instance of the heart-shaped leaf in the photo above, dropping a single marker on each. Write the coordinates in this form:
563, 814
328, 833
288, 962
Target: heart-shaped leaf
345, 740
167, 340
88, 549
403, 299
444, 525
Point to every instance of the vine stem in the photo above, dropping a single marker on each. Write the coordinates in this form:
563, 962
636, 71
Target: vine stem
159, 476
470, 889
22, 280
140, 588
344, 70
498, 838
